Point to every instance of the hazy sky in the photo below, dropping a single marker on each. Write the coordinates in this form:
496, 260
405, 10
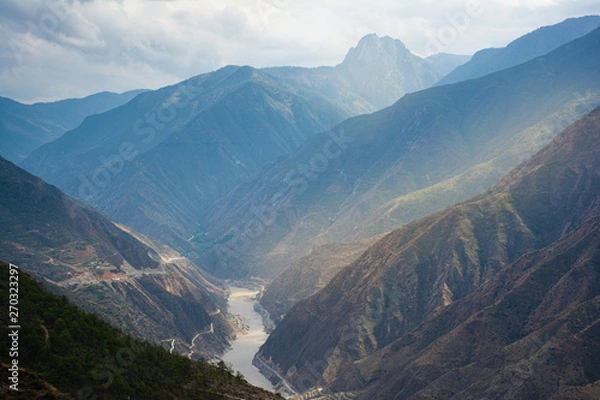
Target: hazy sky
52, 50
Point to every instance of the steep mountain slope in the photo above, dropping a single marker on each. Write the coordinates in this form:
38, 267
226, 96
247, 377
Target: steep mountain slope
24, 128
525, 48
531, 332
443, 305
64, 353
158, 162
144, 289
460, 137
308, 275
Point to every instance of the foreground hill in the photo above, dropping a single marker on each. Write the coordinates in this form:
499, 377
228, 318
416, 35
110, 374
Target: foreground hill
24, 127
375, 172
64, 353
525, 48
145, 289
494, 297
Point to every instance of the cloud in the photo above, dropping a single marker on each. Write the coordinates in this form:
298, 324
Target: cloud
61, 48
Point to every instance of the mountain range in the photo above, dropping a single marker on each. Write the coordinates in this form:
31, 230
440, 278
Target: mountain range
287, 288
492, 297
159, 162
188, 164
375, 172
230, 122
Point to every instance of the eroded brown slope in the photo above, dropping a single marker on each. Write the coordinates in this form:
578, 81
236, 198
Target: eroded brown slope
531, 332
143, 288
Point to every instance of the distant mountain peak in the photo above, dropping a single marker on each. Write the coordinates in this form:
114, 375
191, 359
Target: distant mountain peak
371, 48
377, 64
373, 38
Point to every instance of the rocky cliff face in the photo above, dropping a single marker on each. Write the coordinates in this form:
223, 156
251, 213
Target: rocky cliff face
374, 74
531, 331
529, 246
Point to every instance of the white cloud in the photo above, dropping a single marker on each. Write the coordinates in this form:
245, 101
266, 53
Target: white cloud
60, 48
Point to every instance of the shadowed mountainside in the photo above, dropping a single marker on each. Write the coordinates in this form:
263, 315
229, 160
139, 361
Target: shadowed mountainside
158, 162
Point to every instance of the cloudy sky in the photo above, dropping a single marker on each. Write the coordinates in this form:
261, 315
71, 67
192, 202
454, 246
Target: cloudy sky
54, 49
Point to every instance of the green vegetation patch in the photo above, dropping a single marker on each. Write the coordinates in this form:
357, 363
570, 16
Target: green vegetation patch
64, 352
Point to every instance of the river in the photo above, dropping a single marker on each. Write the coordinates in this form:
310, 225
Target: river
241, 302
